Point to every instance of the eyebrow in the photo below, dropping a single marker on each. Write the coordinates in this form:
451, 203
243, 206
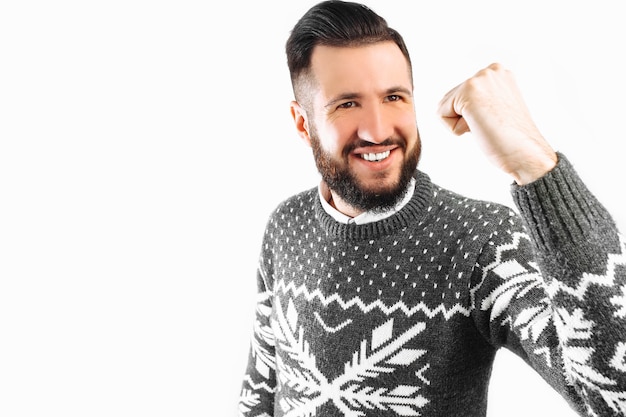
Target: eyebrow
352, 96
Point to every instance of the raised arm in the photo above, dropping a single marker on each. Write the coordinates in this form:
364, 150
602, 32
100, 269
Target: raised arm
568, 318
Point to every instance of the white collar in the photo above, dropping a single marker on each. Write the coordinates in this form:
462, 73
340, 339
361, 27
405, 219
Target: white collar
368, 216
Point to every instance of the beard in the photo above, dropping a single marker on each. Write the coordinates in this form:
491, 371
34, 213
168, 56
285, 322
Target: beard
340, 179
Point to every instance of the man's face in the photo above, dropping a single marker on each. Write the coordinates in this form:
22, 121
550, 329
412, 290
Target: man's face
362, 128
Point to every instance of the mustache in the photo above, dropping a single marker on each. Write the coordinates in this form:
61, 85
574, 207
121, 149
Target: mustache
360, 143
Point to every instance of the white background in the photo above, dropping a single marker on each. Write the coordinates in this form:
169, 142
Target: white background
144, 143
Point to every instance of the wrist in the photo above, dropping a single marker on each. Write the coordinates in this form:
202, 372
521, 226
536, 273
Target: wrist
535, 168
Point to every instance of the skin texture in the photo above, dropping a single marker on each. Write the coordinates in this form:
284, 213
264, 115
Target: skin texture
361, 102
490, 105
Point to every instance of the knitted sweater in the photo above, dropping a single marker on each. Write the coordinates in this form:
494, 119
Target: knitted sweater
403, 317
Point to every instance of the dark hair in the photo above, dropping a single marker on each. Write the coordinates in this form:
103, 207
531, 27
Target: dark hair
336, 23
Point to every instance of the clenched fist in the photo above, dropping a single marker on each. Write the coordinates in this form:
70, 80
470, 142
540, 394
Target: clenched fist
490, 106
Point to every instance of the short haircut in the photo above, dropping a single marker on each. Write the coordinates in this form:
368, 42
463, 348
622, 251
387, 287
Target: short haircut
335, 23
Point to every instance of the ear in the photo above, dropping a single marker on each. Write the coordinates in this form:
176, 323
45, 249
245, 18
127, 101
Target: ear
301, 120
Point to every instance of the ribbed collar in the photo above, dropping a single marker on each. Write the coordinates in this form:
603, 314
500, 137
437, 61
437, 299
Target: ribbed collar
368, 216
414, 210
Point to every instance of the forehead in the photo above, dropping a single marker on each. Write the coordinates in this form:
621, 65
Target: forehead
357, 69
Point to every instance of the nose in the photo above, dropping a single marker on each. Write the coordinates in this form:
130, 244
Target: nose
375, 126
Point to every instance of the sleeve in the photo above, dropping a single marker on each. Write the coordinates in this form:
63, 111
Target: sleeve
258, 387
552, 289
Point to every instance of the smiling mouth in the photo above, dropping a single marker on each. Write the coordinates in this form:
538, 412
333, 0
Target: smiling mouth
375, 157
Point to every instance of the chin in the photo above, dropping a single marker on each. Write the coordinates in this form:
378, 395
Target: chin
381, 190
383, 184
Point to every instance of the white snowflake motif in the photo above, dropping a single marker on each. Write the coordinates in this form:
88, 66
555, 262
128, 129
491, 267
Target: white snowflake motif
517, 282
577, 360
264, 358
348, 391
247, 400
571, 326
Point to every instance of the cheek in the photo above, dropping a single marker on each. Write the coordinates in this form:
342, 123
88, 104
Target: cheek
408, 126
334, 136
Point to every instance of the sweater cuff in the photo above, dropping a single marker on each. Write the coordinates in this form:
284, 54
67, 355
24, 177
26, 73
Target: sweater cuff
560, 211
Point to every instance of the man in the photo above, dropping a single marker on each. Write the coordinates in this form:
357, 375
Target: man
382, 294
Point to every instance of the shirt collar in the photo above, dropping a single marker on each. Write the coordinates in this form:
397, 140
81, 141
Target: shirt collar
368, 216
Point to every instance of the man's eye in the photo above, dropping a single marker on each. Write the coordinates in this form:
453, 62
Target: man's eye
347, 105
393, 97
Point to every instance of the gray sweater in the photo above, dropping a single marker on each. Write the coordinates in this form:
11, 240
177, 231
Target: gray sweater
404, 316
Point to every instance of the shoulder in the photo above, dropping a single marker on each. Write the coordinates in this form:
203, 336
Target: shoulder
302, 201
295, 207
453, 204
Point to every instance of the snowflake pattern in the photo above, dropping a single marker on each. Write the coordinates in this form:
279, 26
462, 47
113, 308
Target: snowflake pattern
577, 360
265, 361
518, 280
383, 353
397, 280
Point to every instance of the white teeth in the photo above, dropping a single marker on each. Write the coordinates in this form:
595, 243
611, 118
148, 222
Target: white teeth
375, 156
